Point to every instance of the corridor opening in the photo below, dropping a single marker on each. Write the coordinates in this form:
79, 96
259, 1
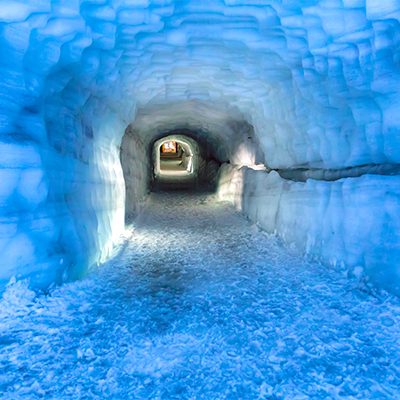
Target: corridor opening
175, 159
181, 160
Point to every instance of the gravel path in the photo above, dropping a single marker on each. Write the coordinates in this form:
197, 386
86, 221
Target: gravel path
199, 304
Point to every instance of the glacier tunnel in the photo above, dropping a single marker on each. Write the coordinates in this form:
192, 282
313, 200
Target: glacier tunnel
271, 270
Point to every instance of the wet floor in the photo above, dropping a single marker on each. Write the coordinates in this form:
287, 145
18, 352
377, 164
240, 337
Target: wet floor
200, 304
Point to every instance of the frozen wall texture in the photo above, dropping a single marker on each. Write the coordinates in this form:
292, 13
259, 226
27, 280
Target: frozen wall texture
136, 167
317, 81
351, 223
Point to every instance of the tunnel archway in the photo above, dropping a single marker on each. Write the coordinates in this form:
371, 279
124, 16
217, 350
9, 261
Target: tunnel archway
187, 160
276, 285
176, 174
220, 134
195, 170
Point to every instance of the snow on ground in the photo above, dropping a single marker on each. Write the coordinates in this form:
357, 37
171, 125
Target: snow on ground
200, 304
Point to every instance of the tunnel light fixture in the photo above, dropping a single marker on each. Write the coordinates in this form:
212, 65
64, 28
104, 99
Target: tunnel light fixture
169, 147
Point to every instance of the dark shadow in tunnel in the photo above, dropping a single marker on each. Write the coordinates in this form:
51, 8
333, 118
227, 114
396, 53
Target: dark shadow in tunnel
177, 186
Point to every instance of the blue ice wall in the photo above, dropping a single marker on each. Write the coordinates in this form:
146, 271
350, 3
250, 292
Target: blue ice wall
318, 80
352, 223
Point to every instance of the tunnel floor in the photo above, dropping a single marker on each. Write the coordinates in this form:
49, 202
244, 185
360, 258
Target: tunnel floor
200, 304
172, 167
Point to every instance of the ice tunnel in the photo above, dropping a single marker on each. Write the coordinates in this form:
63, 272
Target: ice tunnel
297, 101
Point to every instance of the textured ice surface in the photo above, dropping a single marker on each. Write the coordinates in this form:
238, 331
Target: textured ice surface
353, 220
135, 165
291, 83
200, 304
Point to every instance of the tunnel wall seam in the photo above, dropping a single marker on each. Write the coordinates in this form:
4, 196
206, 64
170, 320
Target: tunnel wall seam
353, 222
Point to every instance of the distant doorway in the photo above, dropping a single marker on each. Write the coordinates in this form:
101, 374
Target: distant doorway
174, 158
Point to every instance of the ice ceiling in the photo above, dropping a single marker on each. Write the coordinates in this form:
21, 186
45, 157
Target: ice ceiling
292, 84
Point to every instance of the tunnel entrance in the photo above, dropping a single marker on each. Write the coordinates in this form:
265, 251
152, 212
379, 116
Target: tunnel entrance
176, 162
171, 159
181, 146
183, 160
175, 159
